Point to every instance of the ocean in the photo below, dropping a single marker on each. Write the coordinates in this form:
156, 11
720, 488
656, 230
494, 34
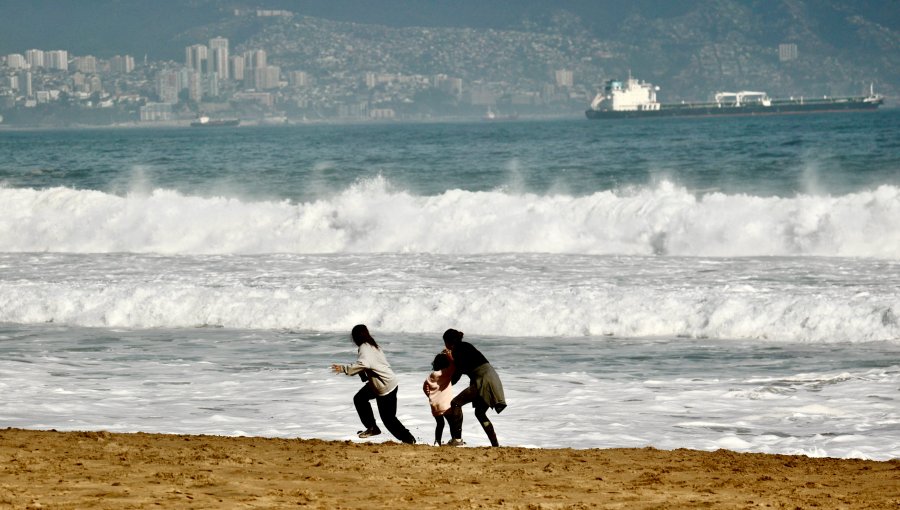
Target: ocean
676, 283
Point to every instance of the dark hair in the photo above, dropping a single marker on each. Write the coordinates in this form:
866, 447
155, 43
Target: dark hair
441, 361
452, 337
361, 336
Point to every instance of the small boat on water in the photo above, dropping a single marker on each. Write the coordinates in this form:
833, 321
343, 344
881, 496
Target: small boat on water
491, 115
205, 121
636, 99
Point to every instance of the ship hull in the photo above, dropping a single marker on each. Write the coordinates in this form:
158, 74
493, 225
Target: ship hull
781, 107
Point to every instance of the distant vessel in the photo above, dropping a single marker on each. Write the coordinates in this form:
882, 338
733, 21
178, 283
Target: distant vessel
491, 115
205, 121
634, 99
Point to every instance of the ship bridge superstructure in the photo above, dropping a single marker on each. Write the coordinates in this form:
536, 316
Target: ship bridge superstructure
627, 95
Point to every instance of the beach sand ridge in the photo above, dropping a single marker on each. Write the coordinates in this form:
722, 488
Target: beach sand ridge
74, 470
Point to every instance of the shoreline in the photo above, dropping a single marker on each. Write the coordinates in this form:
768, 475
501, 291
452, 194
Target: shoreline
51, 469
256, 123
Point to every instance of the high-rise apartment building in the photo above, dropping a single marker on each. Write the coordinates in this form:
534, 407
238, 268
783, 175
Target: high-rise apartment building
16, 61
57, 59
218, 56
211, 84
254, 59
168, 87
237, 68
195, 57
25, 83
266, 78
35, 58
122, 64
12, 82
195, 86
86, 64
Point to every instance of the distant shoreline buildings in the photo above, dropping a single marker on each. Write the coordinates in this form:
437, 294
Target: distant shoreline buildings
53, 86
274, 76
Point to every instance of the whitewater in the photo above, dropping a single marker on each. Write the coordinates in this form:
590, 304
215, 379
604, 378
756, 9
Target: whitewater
743, 297
541, 265
371, 217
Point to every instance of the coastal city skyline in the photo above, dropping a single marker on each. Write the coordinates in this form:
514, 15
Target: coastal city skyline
213, 78
275, 65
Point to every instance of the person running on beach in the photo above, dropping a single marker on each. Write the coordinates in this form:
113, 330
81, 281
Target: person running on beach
484, 391
381, 385
439, 390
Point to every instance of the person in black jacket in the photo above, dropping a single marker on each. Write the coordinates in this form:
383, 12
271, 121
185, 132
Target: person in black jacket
484, 391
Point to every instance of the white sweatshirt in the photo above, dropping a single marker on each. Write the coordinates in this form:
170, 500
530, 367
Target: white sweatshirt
371, 360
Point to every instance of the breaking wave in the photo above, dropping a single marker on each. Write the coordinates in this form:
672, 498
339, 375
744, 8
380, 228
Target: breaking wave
370, 216
783, 320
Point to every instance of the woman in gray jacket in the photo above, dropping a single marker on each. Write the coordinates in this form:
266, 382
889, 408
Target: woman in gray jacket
381, 385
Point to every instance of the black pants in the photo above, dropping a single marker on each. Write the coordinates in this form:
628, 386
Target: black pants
439, 427
387, 409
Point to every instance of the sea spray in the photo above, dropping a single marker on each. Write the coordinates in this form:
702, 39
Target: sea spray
373, 217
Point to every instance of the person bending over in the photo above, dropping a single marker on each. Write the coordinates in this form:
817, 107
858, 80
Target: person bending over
484, 391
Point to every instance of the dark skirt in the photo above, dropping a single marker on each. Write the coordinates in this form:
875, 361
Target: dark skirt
485, 383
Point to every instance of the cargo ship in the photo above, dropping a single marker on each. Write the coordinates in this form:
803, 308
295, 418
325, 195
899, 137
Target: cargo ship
207, 122
633, 98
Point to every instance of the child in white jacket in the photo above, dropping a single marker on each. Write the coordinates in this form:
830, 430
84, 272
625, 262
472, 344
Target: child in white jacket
439, 389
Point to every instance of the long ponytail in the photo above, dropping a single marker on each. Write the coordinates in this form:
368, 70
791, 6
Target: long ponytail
360, 334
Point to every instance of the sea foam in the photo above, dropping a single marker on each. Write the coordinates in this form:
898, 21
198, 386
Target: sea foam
816, 300
371, 216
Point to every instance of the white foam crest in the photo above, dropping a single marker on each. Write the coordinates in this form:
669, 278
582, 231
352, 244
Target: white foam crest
371, 217
489, 309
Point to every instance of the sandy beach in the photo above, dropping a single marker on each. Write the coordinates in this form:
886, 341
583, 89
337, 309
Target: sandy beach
69, 470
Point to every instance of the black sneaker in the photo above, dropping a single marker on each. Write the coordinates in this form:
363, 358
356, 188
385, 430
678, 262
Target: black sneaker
374, 431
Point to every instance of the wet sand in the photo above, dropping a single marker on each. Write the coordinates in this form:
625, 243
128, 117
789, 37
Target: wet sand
75, 470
